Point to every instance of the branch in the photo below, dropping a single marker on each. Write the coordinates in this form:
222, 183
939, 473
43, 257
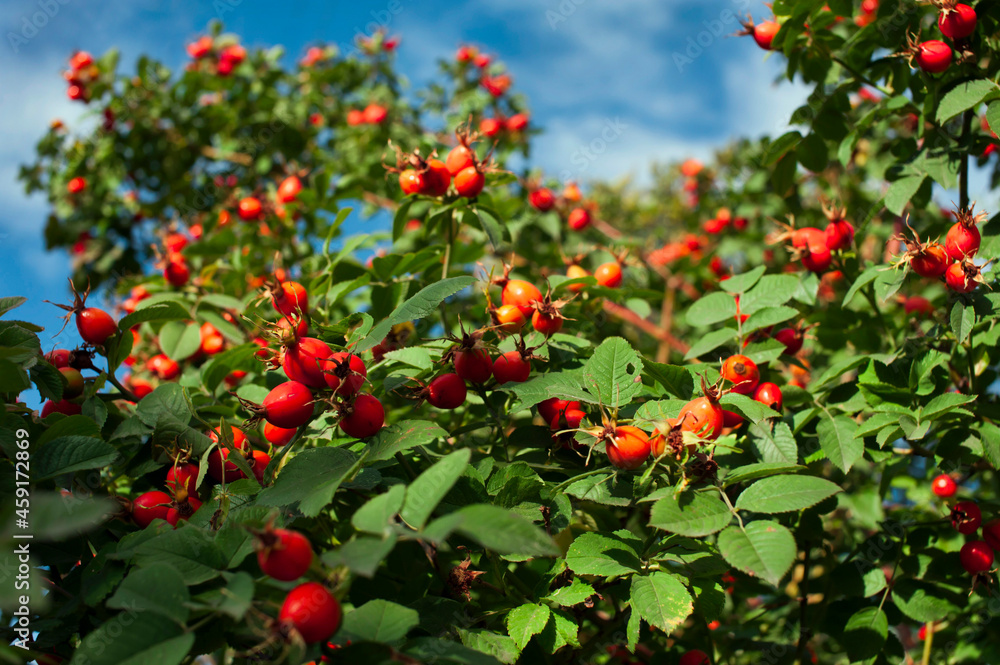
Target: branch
627, 315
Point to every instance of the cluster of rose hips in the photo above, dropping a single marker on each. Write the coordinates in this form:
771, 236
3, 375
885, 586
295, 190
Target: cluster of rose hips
966, 518
957, 22
373, 114
82, 71
492, 127
815, 247
223, 59
495, 84
954, 260
432, 177
723, 220
700, 420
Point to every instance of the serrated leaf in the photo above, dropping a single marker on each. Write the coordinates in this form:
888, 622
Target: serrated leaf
744, 281
768, 316
661, 599
424, 302
784, 494
863, 280
963, 318
865, 633
601, 554
710, 342
692, 513
501, 531
964, 96
169, 310
424, 493
775, 444
836, 438
157, 588
135, 638
380, 621
711, 309
676, 380
574, 594
764, 549
757, 470
614, 372
402, 436
71, 453
901, 191
309, 479
526, 621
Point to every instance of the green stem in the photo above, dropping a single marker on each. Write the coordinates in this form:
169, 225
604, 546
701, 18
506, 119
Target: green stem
126, 393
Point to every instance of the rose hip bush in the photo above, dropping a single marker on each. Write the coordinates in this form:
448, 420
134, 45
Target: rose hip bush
744, 415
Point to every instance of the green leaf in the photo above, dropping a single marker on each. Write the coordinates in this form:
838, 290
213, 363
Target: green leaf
574, 594
402, 436
675, 380
424, 302
48, 380
501, 531
602, 554
776, 444
525, 621
309, 479
692, 513
812, 153
158, 588
769, 316
901, 191
923, 601
780, 146
710, 342
711, 309
8, 303
785, 494
363, 555
492, 225
965, 96
661, 599
770, 291
425, 493
180, 341
190, 550
71, 453
751, 409
863, 280
757, 470
993, 116
942, 404
613, 373
135, 638
562, 630
865, 633
762, 549
56, 516
169, 310
990, 436
376, 516
380, 621
492, 644
836, 438
401, 217
743, 282
963, 318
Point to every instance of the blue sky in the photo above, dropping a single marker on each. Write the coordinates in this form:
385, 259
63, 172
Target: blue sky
582, 63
